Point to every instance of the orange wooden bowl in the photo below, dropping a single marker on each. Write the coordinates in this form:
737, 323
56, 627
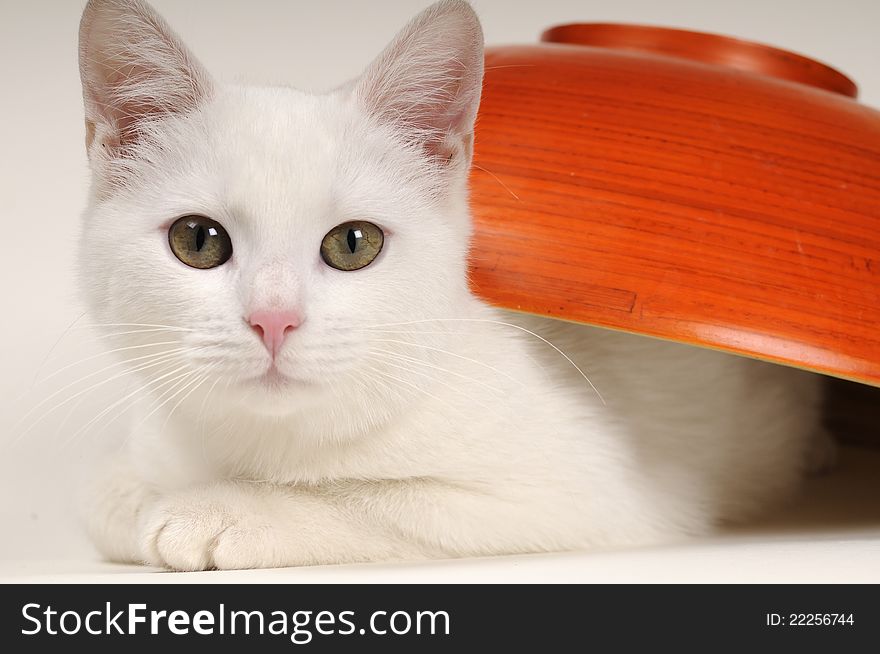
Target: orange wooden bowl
686, 186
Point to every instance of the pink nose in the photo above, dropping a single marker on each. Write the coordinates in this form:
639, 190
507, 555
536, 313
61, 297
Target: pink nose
273, 327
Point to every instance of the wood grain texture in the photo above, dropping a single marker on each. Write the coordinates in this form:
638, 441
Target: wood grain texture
680, 199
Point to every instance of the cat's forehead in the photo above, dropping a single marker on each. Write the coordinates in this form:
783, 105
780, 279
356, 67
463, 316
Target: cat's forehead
278, 126
275, 158
279, 149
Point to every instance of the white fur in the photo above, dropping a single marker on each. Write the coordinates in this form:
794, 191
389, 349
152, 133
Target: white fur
413, 425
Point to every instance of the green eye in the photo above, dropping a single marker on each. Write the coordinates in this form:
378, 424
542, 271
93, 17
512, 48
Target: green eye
200, 242
352, 246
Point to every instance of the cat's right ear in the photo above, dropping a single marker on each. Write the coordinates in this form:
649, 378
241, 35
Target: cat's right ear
134, 70
427, 82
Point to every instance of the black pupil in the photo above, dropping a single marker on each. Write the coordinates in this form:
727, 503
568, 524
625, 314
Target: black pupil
200, 238
352, 240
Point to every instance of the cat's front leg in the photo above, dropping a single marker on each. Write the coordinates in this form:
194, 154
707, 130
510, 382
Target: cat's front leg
237, 525
112, 507
233, 525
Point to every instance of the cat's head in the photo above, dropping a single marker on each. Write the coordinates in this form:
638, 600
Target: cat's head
250, 235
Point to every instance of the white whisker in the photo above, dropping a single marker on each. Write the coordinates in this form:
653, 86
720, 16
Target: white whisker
52, 349
201, 419
96, 325
433, 379
452, 354
155, 357
141, 389
426, 364
156, 360
200, 380
163, 366
498, 179
162, 399
496, 322
416, 388
105, 353
134, 331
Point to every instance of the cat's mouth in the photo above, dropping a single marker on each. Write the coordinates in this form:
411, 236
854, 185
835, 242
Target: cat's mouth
275, 380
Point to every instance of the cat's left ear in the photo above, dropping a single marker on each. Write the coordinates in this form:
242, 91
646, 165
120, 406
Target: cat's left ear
134, 70
427, 82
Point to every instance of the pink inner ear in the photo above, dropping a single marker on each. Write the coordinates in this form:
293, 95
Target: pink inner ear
428, 80
459, 126
90, 133
133, 68
129, 116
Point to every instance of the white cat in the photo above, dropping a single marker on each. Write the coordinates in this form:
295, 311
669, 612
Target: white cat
290, 272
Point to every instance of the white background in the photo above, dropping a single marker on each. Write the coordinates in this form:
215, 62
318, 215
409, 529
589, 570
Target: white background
318, 44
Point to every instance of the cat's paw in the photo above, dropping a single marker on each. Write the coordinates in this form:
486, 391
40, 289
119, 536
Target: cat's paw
213, 528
